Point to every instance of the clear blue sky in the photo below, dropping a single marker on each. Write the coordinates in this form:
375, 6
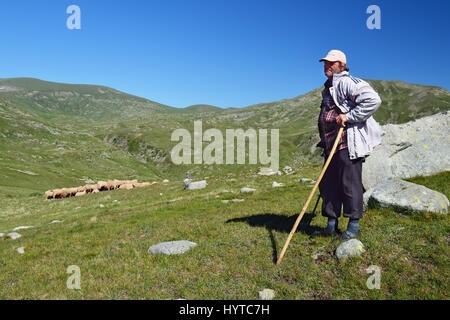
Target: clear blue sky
222, 52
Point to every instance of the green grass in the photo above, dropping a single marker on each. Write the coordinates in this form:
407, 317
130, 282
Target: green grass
238, 244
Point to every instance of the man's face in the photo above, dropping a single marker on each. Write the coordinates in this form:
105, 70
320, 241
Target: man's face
331, 67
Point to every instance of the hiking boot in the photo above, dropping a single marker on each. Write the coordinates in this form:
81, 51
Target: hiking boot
347, 235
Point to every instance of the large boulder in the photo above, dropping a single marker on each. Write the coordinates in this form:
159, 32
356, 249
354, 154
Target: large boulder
419, 147
405, 196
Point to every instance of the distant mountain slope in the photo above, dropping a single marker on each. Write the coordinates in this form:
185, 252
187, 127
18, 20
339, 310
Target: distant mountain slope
88, 101
54, 134
199, 108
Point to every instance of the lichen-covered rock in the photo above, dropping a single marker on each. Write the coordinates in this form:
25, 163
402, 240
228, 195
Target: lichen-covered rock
420, 147
405, 196
350, 248
172, 247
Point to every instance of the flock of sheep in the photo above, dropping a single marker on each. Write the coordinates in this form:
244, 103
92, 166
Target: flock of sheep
95, 188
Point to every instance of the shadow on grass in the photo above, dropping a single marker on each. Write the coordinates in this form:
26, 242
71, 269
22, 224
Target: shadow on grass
280, 223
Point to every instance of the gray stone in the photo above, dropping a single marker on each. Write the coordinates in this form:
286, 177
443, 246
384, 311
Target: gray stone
303, 180
350, 248
267, 294
196, 185
22, 228
56, 221
14, 235
267, 172
420, 147
171, 247
287, 170
245, 189
238, 200
276, 184
2, 235
21, 250
405, 196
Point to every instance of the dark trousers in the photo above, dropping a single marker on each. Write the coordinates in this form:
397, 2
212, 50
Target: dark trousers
342, 185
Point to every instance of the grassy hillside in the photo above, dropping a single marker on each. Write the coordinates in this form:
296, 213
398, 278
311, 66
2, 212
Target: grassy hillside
198, 108
50, 99
238, 243
58, 135
64, 134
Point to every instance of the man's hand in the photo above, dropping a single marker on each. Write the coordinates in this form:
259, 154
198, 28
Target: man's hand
341, 120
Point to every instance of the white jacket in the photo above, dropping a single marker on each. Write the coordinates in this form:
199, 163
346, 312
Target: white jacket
359, 101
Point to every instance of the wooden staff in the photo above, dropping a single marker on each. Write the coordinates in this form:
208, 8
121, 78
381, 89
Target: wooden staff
336, 142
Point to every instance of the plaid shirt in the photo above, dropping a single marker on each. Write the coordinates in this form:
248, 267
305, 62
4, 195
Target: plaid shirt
328, 128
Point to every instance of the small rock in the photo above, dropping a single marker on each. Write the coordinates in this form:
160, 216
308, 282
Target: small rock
56, 221
21, 250
287, 170
319, 252
245, 189
196, 185
276, 184
225, 201
2, 235
14, 235
102, 206
350, 248
268, 172
77, 208
165, 181
238, 200
171, 247
303, 180
267, 294
22, 228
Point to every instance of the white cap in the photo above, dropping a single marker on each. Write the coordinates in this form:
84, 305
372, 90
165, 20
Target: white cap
335, 55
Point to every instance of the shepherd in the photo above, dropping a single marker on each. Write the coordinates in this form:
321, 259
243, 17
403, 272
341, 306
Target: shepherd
347, 102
